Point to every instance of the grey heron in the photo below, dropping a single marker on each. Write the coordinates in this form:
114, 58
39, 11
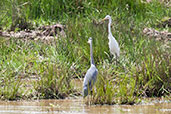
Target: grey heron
91, 75
113, 44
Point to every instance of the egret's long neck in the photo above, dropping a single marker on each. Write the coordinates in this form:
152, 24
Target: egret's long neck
91, 53
109, 26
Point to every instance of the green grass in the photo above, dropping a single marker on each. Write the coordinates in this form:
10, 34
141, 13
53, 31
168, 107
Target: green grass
25, 59
143, 68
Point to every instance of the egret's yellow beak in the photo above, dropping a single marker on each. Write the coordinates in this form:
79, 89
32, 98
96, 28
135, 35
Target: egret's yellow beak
103, 19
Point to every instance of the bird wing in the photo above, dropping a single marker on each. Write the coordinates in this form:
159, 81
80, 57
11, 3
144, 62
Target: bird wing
113, 45
90, 75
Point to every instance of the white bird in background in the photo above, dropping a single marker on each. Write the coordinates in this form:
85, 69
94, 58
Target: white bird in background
113, 44
91, 75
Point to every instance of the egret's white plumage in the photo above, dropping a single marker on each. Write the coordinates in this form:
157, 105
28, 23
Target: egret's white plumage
91, 75
113, 44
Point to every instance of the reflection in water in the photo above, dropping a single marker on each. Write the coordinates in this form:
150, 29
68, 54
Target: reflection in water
77, 106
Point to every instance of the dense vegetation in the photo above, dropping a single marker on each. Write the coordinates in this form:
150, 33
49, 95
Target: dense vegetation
143, 70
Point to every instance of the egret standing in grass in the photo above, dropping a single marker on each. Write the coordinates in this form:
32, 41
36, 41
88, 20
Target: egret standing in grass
91, 75
113, 44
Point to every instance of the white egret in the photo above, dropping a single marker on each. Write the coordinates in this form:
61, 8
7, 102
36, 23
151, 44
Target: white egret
91, 75
113, 44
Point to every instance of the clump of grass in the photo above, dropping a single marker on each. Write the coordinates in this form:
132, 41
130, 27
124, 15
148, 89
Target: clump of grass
27, 60
104, 89
10, 88
55, 82
153, 75
114, 86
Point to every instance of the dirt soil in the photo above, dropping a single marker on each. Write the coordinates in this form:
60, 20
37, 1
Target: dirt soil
158, 35
48, 32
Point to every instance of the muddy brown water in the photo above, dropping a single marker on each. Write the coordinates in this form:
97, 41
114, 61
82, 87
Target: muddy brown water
77, 106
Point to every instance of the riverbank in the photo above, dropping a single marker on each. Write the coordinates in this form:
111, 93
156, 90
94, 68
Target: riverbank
32, 69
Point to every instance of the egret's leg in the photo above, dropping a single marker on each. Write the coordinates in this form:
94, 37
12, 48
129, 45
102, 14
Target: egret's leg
111, 58
116, 59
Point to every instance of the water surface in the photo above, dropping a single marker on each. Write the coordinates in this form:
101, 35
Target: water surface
77, 106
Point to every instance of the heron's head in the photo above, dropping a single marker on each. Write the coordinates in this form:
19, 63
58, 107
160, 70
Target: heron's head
108, 17
90, 40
